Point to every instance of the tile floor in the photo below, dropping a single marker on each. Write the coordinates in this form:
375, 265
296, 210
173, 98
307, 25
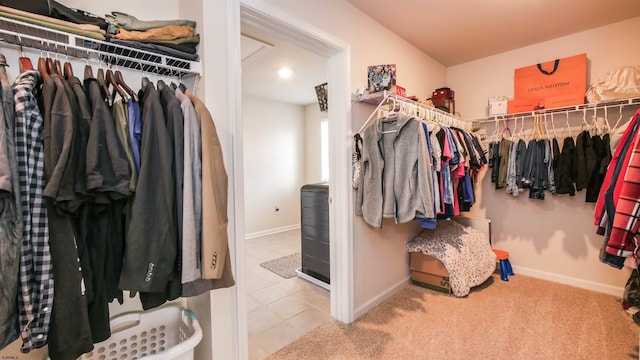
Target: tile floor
279, 310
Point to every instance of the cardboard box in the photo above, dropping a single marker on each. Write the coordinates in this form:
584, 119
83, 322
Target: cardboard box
563, 101
427, 264
431, 281
521, 105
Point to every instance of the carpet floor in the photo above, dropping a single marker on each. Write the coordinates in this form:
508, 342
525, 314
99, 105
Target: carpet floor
524, 318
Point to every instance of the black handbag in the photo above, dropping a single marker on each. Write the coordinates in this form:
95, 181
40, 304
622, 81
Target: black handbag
40, 7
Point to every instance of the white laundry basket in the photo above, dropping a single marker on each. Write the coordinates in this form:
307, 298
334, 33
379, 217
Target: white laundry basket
168, 333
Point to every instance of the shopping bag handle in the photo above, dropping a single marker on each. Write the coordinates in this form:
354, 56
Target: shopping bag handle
555, 67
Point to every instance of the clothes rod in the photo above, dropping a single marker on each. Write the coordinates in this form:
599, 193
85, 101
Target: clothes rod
564, 110
440, 116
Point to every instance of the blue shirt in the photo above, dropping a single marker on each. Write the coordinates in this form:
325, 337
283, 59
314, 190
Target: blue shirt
135, 131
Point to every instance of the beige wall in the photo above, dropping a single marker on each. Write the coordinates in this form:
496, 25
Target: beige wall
380, 256
554, 238
312, 144
274, 168
606, 47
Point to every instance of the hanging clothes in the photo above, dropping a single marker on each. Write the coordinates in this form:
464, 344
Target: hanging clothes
216, 268
619, 224
602, 149
70, 167
567, 168
11, 221
151, 248
394, 180
36, 287
66, 340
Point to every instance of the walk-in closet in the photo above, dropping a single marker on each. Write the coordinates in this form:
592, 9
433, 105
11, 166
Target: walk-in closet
474, 210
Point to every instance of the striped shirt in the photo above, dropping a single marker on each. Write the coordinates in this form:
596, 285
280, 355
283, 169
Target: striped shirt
623, 240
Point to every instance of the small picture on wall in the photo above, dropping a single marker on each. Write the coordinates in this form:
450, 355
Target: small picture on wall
381, 77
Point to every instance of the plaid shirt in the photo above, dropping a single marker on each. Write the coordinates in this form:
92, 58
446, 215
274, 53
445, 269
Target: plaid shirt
623, 240
35, 297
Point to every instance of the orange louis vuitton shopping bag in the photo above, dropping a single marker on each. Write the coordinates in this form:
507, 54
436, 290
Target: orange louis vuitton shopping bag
556, 83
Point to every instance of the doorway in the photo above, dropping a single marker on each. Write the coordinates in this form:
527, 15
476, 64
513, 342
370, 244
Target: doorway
282, 133
272, 20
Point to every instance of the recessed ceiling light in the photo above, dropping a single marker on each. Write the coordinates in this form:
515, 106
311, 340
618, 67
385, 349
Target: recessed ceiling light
285, 73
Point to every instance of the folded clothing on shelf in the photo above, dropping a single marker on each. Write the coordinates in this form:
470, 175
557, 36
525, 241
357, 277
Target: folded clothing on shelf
56, 10
119, 20
165, 33
172, 50
90, 31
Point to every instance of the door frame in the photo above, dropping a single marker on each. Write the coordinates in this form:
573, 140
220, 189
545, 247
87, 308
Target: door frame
275, 20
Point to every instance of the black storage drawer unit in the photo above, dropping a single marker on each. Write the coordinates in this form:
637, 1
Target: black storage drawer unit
314, 211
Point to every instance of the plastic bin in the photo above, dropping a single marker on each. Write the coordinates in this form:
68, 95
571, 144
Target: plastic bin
167, 333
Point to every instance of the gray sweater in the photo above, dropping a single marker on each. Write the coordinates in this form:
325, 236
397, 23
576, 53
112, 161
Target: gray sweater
395, 179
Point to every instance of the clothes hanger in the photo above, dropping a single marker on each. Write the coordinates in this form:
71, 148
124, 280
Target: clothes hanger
568, 126
606, 121
51, 67
25, 62
594, 121
546, 128
42, 63
103, 85
615, 126
123, 85
68, 70
585, 124
553, 127
496, 130
112, 80
58, 66
182, 86
506, 128
88, 71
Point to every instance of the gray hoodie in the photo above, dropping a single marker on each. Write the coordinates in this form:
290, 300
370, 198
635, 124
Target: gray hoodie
395, 168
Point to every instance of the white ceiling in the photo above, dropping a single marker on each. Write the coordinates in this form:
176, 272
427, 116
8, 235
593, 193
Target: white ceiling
457, 31
451, 31
260, 67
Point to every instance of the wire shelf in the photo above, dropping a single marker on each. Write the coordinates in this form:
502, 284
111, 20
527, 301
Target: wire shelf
46, 40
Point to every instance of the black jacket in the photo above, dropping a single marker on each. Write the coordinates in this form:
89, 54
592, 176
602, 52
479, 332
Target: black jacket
566, 168
150, 255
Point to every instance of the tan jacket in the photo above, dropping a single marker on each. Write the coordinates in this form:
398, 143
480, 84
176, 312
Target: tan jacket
170, 32
215, 243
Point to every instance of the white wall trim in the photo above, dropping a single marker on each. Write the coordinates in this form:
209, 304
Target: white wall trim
369, 305
300, 33
568, 280
271, 231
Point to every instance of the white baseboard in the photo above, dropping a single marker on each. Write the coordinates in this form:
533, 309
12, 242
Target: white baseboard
271, 231
365, 308
567, 280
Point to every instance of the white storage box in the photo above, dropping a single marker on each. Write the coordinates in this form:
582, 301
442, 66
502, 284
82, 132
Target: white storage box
498, 105
164, 334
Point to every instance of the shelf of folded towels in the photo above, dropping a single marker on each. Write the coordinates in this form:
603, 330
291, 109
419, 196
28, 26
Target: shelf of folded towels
140, 50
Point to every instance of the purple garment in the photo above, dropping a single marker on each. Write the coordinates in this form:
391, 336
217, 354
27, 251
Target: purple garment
135, 131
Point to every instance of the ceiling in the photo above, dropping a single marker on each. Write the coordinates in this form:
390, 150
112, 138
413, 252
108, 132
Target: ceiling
263, 54
450, 31
457, 31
